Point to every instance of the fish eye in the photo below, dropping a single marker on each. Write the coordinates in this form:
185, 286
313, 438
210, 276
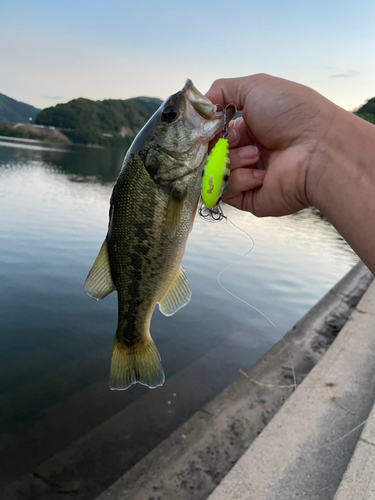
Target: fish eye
169, 114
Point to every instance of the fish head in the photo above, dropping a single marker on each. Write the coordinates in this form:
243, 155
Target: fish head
192, 118
200, 113
175, 140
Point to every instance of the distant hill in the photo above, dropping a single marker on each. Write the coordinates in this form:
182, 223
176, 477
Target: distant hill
367, 111
155, 100
112, 122
12, 111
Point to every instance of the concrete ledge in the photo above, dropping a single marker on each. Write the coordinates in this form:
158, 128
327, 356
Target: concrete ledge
193, 460
359, 479
305, 450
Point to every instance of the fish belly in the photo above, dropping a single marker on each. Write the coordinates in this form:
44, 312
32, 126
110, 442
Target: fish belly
144, 262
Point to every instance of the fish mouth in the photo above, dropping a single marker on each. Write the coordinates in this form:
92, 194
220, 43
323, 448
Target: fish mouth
200, 103
200, 113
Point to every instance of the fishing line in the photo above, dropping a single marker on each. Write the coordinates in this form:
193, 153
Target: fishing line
214, 184
342, 437
215, 178
216, 215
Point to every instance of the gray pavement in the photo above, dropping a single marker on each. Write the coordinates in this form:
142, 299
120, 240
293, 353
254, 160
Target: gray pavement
305, 449
359, 480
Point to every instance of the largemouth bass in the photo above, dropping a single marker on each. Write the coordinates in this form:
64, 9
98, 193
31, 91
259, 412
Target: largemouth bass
151, 213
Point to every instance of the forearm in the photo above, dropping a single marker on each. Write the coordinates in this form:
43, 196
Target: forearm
344, 190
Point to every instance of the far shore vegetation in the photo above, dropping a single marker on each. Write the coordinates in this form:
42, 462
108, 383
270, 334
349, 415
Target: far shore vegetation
112, 122
103, 123
367, 111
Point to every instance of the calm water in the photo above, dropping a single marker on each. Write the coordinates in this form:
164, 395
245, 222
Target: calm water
56, 342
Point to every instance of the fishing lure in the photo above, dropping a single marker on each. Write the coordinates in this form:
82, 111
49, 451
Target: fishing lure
217, 169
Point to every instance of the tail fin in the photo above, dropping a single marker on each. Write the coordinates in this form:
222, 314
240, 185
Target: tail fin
136, 363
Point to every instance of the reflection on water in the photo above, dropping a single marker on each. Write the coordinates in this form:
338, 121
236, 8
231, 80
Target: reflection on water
56, 342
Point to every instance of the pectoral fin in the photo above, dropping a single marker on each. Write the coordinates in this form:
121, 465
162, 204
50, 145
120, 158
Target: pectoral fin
177, 296
99, 282
174, 209
193, 217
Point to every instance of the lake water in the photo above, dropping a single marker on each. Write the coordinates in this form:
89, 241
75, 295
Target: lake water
56, 342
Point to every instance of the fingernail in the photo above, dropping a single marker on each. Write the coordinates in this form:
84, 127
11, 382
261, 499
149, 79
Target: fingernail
248, 152
232, 136
259, 174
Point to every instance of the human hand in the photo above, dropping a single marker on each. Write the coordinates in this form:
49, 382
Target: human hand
287, 122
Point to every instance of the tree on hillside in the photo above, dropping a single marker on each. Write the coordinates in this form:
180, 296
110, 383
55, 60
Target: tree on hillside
367, 111
112, 122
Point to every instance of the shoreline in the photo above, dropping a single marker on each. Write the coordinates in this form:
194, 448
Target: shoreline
25, 131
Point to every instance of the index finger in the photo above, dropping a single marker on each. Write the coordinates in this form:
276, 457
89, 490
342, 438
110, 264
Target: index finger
233, 90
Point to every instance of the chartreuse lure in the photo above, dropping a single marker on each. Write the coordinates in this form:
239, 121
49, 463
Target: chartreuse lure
216, 174
217, 169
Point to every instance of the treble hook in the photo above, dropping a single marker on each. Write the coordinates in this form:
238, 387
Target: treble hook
224, 132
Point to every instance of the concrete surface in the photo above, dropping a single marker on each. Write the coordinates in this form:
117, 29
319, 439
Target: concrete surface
359, 480
192, 461
305, 449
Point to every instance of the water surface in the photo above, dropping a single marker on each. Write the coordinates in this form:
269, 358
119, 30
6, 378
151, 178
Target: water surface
56, 342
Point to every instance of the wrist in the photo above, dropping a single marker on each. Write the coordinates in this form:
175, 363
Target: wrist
343, 156
342, 183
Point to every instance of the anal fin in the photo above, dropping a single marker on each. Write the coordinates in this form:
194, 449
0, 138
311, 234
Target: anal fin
99, 282
177, 296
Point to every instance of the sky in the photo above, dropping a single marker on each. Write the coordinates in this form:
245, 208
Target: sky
55, 51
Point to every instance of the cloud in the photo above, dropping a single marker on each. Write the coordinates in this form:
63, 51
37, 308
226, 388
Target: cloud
349, 74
